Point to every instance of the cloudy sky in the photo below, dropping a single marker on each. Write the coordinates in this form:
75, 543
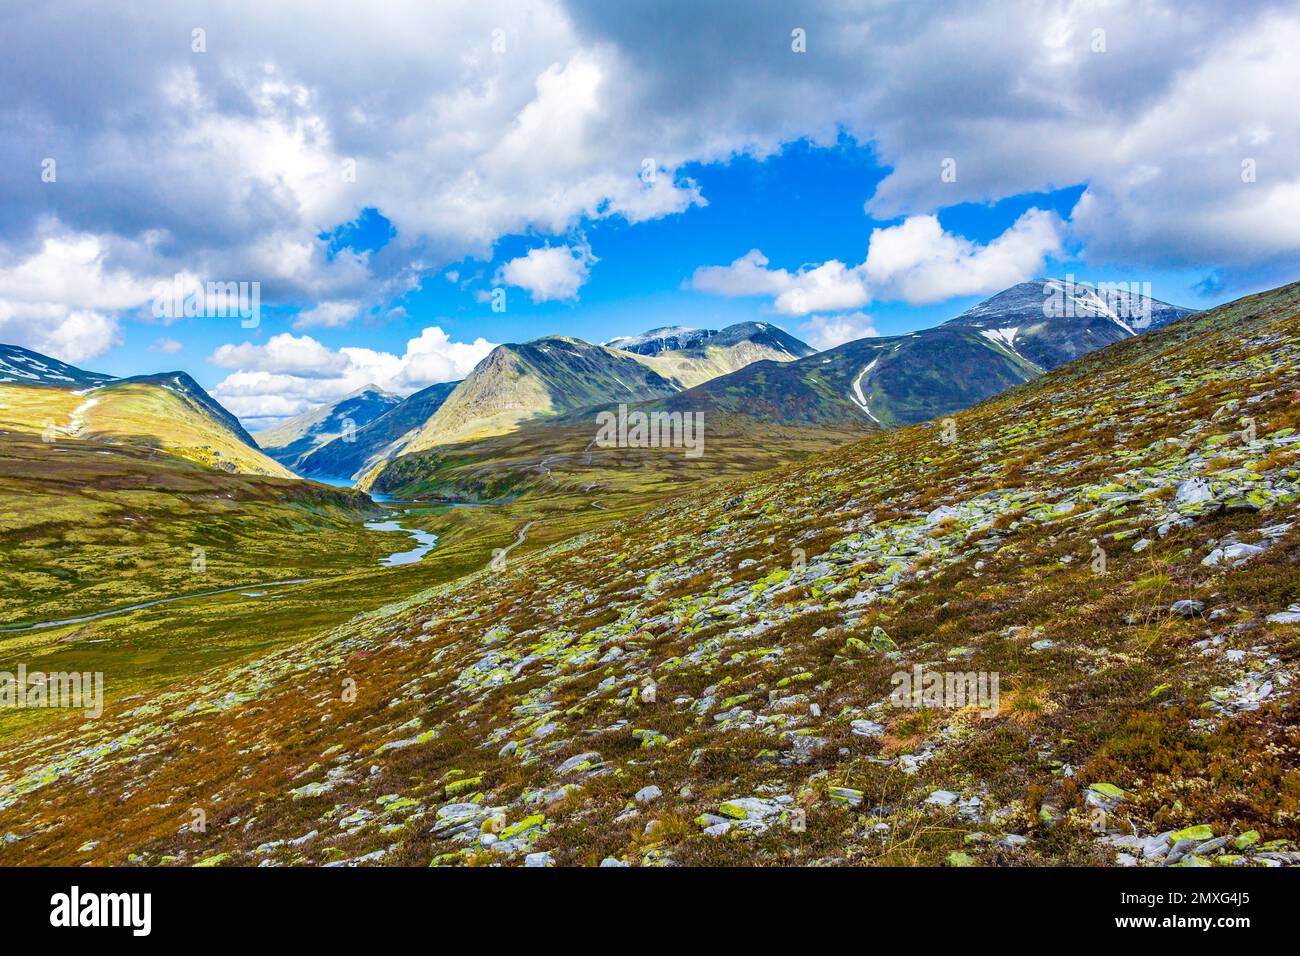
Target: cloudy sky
413, 182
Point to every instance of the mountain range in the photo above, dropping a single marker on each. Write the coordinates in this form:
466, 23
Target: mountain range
751, 376
901, 380
538, 381
842, 392
293, 440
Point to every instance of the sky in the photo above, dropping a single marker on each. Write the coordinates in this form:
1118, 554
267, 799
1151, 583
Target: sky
410, 184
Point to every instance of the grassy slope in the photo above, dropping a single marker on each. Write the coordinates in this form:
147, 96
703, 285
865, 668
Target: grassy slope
701, 594
559, 459
87, 525
139, 414
538, 379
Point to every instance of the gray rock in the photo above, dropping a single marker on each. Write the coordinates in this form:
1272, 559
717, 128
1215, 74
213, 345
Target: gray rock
1290, 616
1180, 850
1209, 846
867, 728
1194, 491
1187, 608
648, 794
576, 762
1239, 553
1157, 846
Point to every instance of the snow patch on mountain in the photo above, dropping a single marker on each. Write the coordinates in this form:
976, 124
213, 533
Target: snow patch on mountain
858, 397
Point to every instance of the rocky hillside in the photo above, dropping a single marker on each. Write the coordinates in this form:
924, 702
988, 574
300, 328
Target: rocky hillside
1108, 552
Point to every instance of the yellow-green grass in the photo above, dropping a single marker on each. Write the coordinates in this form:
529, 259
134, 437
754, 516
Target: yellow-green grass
144, 415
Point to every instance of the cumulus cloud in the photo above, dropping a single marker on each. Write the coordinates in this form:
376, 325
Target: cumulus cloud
292, 373
827, 331
327, 315
549, 272
918, 262
237, 160
167, 346
915, 261
60, 297
301, 356
748, 275
1155, 105
829, 286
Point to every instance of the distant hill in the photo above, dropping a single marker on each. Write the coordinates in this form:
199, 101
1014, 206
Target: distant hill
542, 378
383, 437
169, 412
690, 357
1053, 321
25, 367
1006, 340
876, 382
293, 440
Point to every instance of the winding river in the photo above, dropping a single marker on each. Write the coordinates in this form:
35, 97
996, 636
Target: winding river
425, 541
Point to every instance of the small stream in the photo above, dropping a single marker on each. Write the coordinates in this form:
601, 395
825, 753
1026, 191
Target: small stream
425, 541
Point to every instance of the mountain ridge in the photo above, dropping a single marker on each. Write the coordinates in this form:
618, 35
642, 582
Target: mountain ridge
166, 411
295, 439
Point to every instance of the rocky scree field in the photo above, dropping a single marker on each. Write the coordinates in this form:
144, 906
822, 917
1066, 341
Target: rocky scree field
1116, 540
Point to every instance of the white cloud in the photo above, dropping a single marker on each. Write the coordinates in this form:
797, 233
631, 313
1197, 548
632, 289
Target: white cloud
286, 353
827, 331
918, 262
915, 261
292, 373
549, 272
748, 275
59, 297
329, 315
433, 357
830, 286
256, 148
167, 346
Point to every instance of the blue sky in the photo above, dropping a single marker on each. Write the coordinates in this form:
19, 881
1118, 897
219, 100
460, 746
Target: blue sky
379, 170
804, 204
